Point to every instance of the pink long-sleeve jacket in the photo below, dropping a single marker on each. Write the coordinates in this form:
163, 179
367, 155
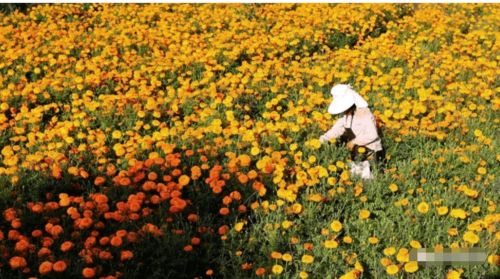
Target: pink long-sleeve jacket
363, 127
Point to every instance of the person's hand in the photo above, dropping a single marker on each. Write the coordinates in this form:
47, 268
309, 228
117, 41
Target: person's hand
322, 139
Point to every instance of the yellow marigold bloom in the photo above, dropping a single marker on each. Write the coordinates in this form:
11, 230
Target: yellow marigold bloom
423, 207
392, 269
403, 255
481, 170
116, 134
385, 262
336, 226
364, 214
347, 239
277, 269
393, 187
453, 274
330, 244
415, 244
373, 240
307, 259
303, 275
287, 257
411, 267
442, 210
389, 251
452, 231
297, 208
184, 180
286, 224
239, 226
471, 237
458, 213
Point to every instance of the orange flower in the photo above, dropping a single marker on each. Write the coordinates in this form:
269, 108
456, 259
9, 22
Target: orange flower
195, 240
66, 246
223, 229
45, 267
116, 241
195, 172
88, 272
17, 262
224, 211
126, 255
59, 266
124, 181
188, 248
99, 180
260, 271
242, 178
192, 217
152, 176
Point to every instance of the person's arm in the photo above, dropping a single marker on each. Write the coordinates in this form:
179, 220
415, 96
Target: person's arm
336, 131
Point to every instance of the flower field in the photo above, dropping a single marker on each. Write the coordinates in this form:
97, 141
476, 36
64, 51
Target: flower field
181, 140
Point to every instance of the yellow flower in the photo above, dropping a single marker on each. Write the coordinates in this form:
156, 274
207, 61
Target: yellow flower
403, 255
287, 257
471, 237
336, 226
254, 151
331, 244
303, 275
392, 269
364, 214
415, 244
393, 187
389, 251
453, 274
347, 239
423, 207
277, 269
239, 226
411, 267
458, 213
452, 231
481, 170
373, 240
297, 208
116, 134
442, 210
307, 259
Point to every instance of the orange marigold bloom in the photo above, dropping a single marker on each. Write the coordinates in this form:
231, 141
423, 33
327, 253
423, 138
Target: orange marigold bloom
66, 246
188, 248
224, 211
44, 251
192, 217
195, 240
223, 229
17, 262
124, 181
59, 266
152, 176
126, 255
116, 241
21, 245
88, 272
45, 267
260, 271
99, 180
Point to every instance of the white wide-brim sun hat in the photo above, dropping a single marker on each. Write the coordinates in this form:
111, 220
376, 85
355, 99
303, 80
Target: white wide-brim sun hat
343, 98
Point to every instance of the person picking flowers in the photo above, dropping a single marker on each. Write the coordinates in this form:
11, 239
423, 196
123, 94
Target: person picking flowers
356, 127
